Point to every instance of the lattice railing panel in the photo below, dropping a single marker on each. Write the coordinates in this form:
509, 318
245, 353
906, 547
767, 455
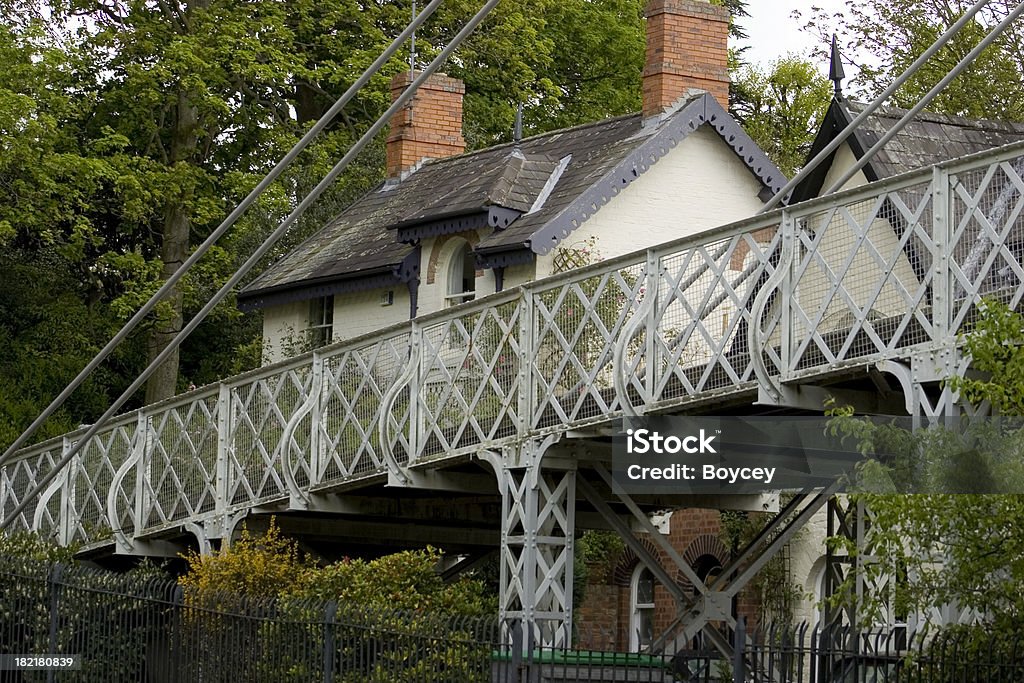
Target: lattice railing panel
355, 382
862, 278
92, 475
703, 313
260, 411
575, 329
869, 276
180, 470
19, 477
988, 236
469, 378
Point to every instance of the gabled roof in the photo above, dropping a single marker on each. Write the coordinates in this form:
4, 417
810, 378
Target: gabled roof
534, 193
927, 140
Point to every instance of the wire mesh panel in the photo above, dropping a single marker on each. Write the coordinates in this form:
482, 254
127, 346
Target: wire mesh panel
469, 378
261, 409
179, 468
575, 326
702, 313
988, 236
19, 477
862, 278
91, 478
355, 382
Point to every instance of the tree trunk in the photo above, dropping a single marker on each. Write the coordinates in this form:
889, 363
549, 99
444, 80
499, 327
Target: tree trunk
174, 248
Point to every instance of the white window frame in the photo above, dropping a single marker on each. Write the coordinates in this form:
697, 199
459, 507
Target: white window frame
636, 608
456, 293
321, 321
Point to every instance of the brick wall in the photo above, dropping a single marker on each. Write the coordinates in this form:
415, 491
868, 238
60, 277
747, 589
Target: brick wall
603, 616
687, 47
429, 127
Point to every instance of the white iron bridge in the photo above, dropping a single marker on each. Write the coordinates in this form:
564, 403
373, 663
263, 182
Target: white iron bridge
841, 295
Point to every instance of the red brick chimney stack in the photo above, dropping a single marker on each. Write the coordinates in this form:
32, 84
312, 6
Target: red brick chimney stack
430, 127
687, 47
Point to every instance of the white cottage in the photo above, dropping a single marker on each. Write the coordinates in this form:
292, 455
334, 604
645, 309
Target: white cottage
446, 226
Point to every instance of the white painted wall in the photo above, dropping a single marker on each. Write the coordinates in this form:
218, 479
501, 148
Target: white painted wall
844, 159
284, 329
698, 185
355, 313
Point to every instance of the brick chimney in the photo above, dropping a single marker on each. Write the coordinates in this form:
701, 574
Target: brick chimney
687, 47
429, 127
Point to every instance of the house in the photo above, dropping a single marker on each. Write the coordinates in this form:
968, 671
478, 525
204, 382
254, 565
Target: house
447, 226
927, 139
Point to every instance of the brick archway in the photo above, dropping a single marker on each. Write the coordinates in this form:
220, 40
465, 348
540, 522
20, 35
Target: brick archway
439, 248
623, 573
702, 546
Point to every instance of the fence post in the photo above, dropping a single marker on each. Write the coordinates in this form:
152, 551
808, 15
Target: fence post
739, 674
55, 573
175, 635
516, 654
330, 612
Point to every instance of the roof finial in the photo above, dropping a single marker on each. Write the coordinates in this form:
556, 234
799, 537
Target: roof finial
836, 74
517, 132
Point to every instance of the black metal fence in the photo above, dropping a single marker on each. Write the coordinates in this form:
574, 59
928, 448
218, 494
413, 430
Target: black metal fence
137, 628
955, 654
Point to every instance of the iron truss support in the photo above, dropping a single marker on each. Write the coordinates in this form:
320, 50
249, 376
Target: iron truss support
714, 601
537, 536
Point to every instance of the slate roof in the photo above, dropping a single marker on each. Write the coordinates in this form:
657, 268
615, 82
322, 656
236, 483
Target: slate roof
927, 140
572, 172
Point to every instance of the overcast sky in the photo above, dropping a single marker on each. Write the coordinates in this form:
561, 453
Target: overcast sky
774, 33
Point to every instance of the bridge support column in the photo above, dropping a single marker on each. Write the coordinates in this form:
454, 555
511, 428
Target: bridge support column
537, 538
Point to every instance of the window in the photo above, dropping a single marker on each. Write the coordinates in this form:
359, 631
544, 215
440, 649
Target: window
321, 321
461, 275
641, 613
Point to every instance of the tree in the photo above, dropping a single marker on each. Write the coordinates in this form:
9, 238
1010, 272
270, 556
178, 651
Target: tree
130, 129
954, 547
883, 37
781, 108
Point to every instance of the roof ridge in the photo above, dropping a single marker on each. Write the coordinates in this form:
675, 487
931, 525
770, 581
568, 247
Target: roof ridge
538, 136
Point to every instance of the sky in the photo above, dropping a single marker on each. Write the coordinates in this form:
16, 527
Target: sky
774, 33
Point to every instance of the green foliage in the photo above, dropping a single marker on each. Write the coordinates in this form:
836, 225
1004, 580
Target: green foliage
31, 546
883, 37
781, 107
397, 604
253, 566
777, 594
402, 581
964, 550
996, 347
270, 566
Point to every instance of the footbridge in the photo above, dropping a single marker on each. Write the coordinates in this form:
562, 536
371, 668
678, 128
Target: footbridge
486, 425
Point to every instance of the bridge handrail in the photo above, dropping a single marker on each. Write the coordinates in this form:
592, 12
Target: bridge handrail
871, 274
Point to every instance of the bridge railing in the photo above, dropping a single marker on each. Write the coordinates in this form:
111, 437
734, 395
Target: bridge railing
870, 274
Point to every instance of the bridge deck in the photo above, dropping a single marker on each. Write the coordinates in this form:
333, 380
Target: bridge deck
889, 271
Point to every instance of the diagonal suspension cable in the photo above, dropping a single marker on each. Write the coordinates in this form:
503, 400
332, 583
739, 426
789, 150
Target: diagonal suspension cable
173, 280
253, 259
939, 43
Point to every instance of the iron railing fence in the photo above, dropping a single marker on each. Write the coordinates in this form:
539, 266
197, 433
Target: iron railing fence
839, 653
891, 270
141, 627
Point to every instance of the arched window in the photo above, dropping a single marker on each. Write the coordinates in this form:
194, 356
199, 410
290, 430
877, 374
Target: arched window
641, 612
461, 275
